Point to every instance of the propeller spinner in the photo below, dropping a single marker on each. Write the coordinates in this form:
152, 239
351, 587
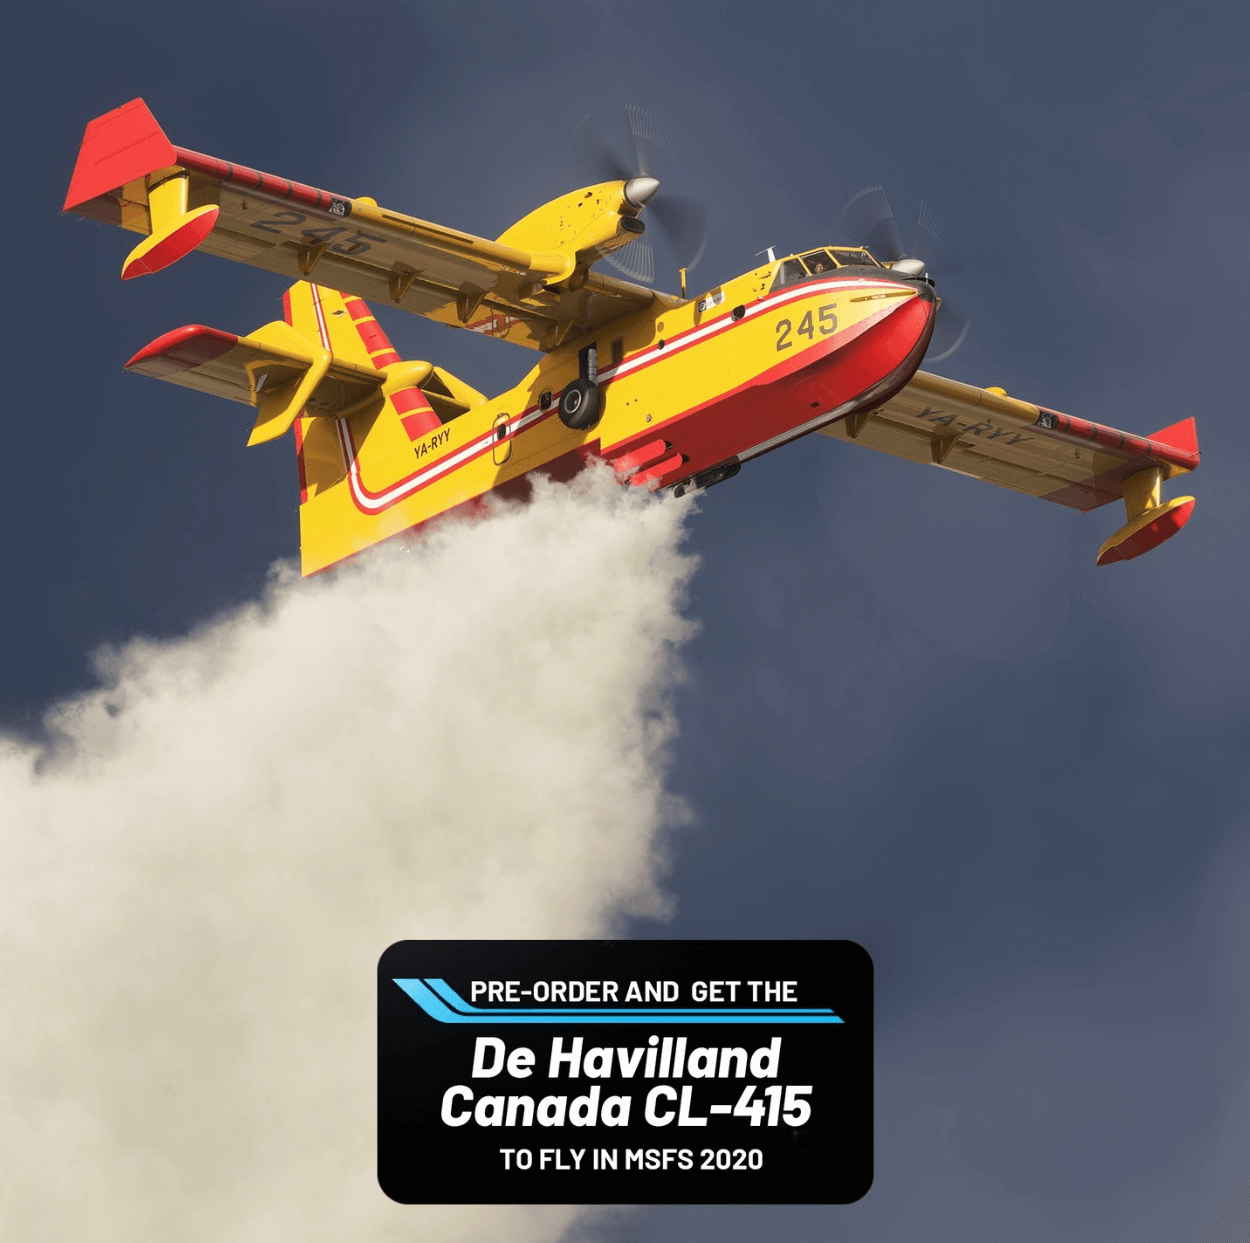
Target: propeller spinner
681, 221
868, 218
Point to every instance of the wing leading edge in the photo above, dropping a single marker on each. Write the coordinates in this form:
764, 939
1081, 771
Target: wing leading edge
1014, 444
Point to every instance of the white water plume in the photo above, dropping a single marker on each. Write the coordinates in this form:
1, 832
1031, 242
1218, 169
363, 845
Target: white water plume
466, 737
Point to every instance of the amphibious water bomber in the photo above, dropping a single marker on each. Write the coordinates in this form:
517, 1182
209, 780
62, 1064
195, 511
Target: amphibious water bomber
673, 392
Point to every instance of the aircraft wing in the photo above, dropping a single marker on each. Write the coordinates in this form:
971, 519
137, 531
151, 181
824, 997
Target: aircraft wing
1014, 444
126, 164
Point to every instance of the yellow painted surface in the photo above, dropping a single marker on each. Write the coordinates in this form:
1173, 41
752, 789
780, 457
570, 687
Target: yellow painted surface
332, 524
1143, 492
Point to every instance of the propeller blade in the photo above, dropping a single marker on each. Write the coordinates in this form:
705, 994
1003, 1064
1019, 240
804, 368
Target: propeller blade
683, 223
948, 333
635, 261
595, 158
868, 219
933, 243
656, 148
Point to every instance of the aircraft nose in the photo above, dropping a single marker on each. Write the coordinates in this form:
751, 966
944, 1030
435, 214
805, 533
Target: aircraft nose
923, 286
639, 191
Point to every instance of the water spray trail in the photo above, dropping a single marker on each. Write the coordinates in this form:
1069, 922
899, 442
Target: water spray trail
466, 738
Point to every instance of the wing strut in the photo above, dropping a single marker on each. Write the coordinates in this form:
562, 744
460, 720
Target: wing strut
175, 230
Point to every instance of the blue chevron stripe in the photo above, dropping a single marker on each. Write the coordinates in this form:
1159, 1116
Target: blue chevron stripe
441, 1002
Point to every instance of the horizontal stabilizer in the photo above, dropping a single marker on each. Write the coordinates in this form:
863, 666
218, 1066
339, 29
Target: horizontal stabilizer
275, 369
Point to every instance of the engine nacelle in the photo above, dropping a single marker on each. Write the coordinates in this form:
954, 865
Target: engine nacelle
575, 229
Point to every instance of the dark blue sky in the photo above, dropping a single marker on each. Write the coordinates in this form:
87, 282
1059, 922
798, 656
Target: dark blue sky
918, 715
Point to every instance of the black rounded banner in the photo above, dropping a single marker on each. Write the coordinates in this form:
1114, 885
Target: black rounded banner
607, 1072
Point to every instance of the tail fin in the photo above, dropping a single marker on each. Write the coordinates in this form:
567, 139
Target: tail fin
347, 328
363, 425
347, 462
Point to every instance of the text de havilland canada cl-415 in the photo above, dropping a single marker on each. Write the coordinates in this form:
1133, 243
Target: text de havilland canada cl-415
672, 392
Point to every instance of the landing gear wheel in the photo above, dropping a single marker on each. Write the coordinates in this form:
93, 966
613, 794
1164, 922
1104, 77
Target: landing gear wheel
579, 405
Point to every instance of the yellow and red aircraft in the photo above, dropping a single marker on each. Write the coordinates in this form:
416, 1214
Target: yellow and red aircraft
673, 392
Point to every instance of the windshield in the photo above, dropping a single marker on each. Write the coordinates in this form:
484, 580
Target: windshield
818, 261
857, 257
821, 263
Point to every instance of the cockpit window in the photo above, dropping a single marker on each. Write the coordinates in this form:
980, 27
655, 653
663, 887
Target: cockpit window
821, 263
792, 270
858, 257
818, 261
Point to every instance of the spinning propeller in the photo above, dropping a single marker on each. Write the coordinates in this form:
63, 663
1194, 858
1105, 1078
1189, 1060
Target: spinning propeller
868, 218
681, 221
